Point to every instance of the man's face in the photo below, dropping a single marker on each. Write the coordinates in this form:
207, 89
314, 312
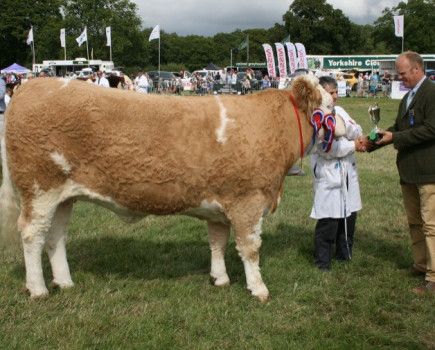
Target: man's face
333, 91
409, 75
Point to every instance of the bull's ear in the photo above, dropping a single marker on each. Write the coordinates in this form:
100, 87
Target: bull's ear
307, 96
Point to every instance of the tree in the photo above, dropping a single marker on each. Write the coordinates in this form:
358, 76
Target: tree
17, 17
419, 36
96, 15
321, 28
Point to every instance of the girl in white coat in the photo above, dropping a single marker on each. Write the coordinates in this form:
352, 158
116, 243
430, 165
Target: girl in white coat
336, 189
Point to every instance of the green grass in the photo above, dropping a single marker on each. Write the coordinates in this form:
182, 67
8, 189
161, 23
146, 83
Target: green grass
146, 286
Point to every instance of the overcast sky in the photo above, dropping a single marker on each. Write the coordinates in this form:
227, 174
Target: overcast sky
207, 17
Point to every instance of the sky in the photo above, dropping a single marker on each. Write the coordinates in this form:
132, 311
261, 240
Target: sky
207, 17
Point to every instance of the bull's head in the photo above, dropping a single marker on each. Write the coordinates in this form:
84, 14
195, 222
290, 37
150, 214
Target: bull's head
318, 104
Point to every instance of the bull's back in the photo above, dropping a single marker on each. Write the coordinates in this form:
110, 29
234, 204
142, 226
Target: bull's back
149, 153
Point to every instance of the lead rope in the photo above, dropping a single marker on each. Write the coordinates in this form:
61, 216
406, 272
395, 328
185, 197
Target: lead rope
343, 194
300, 126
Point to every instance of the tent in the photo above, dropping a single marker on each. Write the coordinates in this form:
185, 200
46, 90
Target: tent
15, 68
212, 66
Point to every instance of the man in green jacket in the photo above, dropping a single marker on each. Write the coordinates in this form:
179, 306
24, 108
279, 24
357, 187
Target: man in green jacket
413, 135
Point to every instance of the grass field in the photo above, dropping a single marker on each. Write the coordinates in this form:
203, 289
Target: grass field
146, 286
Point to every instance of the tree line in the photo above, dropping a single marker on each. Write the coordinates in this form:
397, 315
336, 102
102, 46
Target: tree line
315, 23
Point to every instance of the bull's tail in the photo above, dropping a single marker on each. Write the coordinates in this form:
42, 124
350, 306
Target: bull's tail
9, 207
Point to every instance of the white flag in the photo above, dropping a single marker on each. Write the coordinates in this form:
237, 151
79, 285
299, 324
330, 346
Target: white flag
302, 56
62, 37
109, 36
292, 57
282, 64
83, 37
398, 25
30, 36
155, 34
270, 60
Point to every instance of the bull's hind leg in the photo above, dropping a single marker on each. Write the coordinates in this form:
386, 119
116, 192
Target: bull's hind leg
218, 235
247, 232
34, 227
55, 246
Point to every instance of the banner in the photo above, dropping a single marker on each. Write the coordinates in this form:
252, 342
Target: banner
398, 25
109, 36
30, 36
270, 60
282, 65
62, 37
155, 34
302, 56
83, 37
292, 57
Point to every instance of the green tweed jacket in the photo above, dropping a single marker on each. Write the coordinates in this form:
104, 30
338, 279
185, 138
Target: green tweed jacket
414, 136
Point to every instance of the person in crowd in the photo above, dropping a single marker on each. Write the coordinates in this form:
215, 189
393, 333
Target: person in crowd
336, 188
2, 103
101, 80
246, 85
359, 86
266, 82
373, 84
141, 82
413, 135
161, 86
42, 75
8, 95
386, 81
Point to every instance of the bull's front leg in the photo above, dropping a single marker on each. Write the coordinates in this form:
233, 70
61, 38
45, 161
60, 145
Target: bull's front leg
248, 242
218, 235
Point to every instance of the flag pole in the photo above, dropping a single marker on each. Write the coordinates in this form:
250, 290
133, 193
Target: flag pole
159, 54
33, 53
248, 52
403, 39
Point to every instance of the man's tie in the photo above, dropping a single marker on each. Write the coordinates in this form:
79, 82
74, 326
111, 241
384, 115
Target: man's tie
410, 97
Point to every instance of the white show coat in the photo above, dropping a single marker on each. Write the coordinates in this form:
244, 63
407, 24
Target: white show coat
325, 167
142, 84
102, 82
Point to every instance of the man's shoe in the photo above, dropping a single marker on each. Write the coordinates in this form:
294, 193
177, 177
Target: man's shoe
415, 272
426, 287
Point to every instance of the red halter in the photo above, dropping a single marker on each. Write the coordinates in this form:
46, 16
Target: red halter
300, 126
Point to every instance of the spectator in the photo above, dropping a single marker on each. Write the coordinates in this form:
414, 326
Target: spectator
161, 86
246, 86
413, 135
8, 96
101, 80
360, 86
336, 189
266, 82
141, 82
373, 84
2, 103
386, 82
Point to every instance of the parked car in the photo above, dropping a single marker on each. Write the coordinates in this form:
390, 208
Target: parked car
155, 75
430, 73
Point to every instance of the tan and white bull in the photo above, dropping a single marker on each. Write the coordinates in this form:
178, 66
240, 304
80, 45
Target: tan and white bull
218, 158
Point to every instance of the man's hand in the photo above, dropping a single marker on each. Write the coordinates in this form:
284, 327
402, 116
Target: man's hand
387, 138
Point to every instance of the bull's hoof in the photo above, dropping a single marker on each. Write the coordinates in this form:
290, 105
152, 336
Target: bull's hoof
221, 281
38, 293
263, 296
62, 285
